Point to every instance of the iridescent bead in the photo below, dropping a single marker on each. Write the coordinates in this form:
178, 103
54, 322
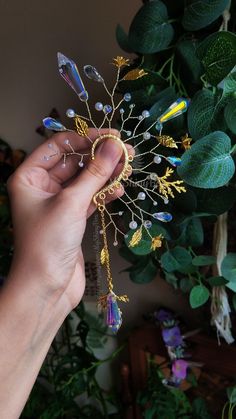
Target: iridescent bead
132, 106
122, 110
140, 117
128, 133
148, 224
153, 176
98, 106
162, 216
157, 159
158, 126
145, 114
146, 135
174, 161
70, 113
127, 97
141, 196
107, 109
175, 109
53, 124
166, 201
70, 73
133, 225
92, 73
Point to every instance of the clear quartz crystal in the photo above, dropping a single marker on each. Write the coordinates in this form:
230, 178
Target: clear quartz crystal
70, 73
92, 73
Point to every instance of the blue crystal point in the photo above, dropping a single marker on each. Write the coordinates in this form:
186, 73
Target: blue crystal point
70, 73
92, 73
174, 161
53, 124
165, 217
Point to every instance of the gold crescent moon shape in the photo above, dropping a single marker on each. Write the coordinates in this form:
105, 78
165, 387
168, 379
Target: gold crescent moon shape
101, 195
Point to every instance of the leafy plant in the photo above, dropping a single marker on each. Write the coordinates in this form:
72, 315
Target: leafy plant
187, 49
67, 386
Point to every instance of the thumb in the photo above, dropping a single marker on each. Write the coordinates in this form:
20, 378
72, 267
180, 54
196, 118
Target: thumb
97, 172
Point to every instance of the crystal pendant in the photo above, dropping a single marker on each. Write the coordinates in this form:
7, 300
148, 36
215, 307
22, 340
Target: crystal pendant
165, 217
70, 73
53, 124
113, 313
92, 73
175, 109
174, 161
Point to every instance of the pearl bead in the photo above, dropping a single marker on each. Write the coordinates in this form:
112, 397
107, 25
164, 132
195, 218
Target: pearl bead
70, 113
81, 164
148, 224
101, 232
63, 165
121, 213
155, 203
140, 117
122, 110
115, 243
157, 159
127, 97
66, 141
146, 135
166, 201
98, 106
141, 196
153, 176
133, 225
132, 106
145, 114
128, 133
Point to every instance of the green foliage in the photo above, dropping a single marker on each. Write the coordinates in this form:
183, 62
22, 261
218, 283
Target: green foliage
230, 115
228, 268
70, 371
176, 259
203, 260
200, 13
198, 296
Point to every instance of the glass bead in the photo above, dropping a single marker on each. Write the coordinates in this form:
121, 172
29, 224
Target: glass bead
122, 110
53, 124
166, 201
115, 243
133, 225
121, 212
70, 113
175, 109
132, 106
174, 161
157, 159
162, 216
81, 164
145, 114
107, 109
127, 97
141, 196
155, 203
140, 117
70, 73
146, 135
92, 73
98, 106
158, 126
153, 176
128, 133
148, 224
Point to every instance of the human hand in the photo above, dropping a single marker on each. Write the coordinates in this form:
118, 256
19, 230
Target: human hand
49, 219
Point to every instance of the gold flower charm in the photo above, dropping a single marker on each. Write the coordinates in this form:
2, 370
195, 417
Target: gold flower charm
167, 141
185, 141
156, 242
120, 61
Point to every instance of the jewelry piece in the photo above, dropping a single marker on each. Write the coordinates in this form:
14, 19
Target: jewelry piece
145, 179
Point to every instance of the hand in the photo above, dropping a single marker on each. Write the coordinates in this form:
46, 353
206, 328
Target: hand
49, 219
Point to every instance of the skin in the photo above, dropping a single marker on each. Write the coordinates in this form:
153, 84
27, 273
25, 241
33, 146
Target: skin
50, 207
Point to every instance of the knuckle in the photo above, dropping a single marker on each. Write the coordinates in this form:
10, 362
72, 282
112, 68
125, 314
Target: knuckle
97, 170
12, 182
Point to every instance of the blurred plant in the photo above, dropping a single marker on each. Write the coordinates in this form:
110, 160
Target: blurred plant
230, 404
67, 386
157, 400
184, 48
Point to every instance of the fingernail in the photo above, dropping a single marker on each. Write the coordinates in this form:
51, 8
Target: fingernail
110, 149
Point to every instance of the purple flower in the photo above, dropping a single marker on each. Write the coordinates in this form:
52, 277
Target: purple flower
172, 337
179, 368
163, 316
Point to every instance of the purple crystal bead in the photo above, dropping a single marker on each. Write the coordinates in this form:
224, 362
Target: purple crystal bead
53, 124
70, 73
113, 313
92, 73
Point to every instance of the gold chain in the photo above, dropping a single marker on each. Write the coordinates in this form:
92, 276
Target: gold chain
101, 208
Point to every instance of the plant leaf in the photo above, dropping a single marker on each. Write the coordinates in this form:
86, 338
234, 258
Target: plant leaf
215, 201
200, 114
176, 259
122, 39
208, 164
204, 260
228, 267
217, 281
198, 296
200, 13
145, 274
150, 31
230, 115
218, 55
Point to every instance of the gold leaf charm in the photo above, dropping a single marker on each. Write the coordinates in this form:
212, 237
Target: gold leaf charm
156, 242
167, 141
81, 127
186, 142
135, 74
136, 238
103, 256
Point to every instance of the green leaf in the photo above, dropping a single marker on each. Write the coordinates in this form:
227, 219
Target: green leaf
198, 296
230, 84
228, 267
216, 281
200, 13
144, 246
187, 51
171, 279
175, 259
218, 55
230, 115
192, 233
208, 164
150, 30
231, 393
185, 285
122, 39
215, 201
200, 114
204, 260
234, 301
145, 274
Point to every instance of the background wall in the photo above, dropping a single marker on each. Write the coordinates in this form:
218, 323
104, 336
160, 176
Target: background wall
31, 33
